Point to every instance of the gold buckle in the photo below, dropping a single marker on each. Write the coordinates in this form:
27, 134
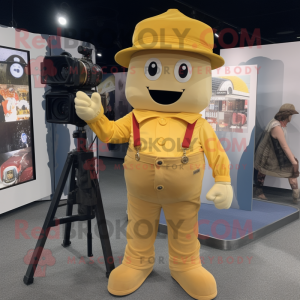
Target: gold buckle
184, 158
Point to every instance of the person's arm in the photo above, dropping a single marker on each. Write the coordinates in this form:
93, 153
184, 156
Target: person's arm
215, 154
278, 134
221, 193
91, 111
113, 132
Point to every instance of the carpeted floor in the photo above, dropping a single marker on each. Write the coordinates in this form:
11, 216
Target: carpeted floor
266, 269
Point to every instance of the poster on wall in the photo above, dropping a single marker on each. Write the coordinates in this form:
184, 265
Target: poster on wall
278, 71
231, 113
116, 106
16, 134
228, 107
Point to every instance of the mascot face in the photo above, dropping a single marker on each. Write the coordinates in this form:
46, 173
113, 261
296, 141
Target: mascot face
169, 81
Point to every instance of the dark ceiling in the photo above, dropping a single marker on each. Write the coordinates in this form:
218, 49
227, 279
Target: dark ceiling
109, 25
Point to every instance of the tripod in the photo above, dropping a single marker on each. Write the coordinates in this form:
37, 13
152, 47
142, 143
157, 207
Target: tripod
84, 191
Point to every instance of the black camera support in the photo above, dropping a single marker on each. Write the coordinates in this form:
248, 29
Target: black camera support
85, 191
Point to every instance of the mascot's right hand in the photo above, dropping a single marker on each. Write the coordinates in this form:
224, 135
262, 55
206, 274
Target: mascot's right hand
88, 108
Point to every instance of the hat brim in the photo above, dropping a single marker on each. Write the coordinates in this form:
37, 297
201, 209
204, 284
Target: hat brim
289, 111
123, 57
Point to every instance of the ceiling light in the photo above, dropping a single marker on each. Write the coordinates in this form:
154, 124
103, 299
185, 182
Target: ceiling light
99, 54
286, 32
62, 20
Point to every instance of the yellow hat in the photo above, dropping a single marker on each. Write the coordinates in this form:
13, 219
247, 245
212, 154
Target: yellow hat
172, 30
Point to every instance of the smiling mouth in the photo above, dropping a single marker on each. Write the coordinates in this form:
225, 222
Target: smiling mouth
165, 97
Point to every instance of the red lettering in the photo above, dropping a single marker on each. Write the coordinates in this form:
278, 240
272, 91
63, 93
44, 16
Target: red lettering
22, 39
21, 230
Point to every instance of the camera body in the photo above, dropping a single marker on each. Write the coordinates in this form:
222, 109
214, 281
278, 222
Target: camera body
67, 75
60, 107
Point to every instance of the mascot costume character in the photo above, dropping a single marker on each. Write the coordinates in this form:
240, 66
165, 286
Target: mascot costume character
168, 85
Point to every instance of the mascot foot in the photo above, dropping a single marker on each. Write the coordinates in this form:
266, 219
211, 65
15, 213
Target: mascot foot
124, 280
198, 283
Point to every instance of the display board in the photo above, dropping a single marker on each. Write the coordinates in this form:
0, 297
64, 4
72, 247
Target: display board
231, 113
38, 165
16, 135
278, 82
22, 120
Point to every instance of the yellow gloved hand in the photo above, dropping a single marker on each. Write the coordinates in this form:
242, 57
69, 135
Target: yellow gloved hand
221, 193
88, 108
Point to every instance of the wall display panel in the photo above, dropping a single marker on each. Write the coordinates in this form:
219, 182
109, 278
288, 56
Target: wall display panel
25, 136
231, 113
16, 134
278, 74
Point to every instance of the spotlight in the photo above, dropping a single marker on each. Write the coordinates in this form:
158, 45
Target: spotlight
286, 31
62, 20
217, 29
99, 54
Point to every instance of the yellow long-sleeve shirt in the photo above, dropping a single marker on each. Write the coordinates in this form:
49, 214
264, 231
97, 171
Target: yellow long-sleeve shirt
162, 135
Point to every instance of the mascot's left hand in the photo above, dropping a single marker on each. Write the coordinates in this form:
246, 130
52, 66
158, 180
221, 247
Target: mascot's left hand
221, 193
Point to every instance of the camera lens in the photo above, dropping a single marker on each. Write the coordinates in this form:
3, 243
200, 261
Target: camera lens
90, 74
60, 108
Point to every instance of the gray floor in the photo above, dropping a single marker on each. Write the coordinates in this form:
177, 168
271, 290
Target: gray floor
273, 273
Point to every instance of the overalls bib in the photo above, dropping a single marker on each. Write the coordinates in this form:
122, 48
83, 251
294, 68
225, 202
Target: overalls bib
160, 179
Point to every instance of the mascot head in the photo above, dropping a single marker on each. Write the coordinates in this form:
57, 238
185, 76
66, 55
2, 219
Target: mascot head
170, 63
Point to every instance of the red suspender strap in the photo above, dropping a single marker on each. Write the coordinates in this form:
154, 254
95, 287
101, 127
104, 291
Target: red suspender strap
188, 135
136, 131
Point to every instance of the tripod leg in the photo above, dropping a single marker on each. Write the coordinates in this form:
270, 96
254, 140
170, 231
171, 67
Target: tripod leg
28, 278
89, 239
66, 241
103, 232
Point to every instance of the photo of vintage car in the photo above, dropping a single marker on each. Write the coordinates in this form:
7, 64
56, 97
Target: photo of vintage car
17, 168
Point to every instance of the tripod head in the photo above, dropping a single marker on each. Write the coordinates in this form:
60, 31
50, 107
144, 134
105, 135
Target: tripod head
80, 135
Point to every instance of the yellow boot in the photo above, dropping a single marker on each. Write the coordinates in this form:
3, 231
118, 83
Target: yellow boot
197, 282
124, 280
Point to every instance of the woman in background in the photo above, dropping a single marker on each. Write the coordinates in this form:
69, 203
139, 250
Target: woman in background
273, 156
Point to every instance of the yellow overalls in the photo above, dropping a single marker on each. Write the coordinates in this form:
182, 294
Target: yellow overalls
160, 180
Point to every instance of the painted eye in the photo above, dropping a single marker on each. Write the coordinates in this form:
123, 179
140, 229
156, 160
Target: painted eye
153, 68
183, 70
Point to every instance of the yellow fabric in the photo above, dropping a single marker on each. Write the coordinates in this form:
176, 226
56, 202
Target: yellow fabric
170, 127
125, 280
184, 246
145, 201
143, 220
172, 30
164, 180
198, 283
